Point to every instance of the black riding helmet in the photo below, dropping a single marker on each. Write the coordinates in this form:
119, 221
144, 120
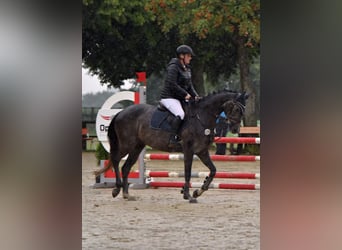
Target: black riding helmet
184, 49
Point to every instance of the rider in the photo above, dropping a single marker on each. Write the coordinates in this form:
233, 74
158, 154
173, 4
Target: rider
178, 87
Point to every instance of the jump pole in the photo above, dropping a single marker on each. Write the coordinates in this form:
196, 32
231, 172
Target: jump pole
172, 184
225, 175
167, 174
245, 140
176, 157
169, 184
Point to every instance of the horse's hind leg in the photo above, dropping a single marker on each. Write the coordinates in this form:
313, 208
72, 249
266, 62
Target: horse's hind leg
115, 160
205, 158
126, 168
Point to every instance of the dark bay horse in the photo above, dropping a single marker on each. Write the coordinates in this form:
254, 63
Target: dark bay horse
130, 130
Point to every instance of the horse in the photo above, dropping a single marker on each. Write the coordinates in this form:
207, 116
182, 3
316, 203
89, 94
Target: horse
130, 131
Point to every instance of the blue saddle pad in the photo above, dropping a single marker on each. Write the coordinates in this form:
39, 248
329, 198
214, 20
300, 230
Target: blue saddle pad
160, 120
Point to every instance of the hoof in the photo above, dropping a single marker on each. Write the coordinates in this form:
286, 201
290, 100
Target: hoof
115, 192
129, 197
192, 200
197, 193
186, 196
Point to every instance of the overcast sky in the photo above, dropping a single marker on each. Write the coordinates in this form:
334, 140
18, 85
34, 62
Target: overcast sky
91, 84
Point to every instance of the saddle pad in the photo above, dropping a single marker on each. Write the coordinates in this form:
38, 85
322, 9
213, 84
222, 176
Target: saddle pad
160, 121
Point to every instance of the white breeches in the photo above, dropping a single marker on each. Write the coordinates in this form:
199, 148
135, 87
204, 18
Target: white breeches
174, 106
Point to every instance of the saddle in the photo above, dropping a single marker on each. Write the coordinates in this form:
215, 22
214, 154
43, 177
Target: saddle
162, 119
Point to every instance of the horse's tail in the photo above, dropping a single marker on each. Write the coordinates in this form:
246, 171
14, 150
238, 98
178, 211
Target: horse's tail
104, 169
113, 147
112, 135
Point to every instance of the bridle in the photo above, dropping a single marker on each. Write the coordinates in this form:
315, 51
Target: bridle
230, 118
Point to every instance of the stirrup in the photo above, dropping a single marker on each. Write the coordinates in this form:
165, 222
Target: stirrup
174, 140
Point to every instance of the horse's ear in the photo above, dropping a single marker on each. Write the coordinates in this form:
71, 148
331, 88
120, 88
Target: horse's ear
246, 95
242, 97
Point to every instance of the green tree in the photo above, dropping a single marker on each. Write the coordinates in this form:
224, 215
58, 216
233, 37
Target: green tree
119, 39
240, 20
122, 37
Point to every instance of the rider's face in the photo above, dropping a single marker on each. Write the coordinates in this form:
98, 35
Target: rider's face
187, 58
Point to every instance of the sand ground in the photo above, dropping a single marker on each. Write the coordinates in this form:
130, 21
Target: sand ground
162, 219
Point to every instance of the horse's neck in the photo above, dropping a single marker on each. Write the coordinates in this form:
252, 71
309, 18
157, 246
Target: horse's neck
205, 111
213, 104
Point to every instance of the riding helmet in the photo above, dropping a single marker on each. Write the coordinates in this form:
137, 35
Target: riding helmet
184, 49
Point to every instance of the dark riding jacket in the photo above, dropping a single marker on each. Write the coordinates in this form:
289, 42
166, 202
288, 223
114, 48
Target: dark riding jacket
178, 81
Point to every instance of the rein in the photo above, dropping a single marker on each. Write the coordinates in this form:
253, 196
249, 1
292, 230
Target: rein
195, 115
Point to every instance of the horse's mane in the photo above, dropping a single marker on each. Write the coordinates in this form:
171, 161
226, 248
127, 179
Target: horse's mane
218, 92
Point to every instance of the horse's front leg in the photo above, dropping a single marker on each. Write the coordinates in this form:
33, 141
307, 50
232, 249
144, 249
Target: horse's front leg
188, 158
205, 158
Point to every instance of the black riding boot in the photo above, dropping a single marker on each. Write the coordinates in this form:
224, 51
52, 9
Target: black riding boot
174, 138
